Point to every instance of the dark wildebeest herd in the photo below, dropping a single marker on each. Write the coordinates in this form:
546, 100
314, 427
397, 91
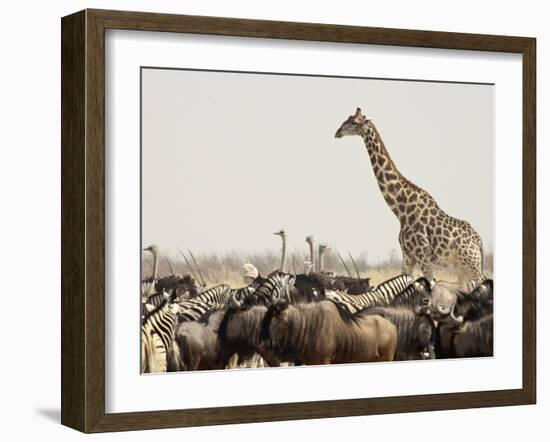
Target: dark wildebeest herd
308, 319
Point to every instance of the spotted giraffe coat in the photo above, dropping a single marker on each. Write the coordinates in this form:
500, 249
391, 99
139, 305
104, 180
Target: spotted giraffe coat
428, 235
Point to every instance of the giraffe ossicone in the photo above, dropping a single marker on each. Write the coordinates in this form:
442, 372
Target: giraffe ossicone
428, 235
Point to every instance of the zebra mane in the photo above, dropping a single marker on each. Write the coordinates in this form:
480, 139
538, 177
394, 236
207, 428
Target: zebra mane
205, 319
155, 310
345, 313
391, 280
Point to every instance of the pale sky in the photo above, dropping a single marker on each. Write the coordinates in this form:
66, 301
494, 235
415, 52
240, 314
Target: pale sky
230, 158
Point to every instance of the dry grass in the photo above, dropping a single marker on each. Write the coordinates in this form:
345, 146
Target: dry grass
227, 268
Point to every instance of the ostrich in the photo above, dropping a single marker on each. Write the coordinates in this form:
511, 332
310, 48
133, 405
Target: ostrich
322, 249
150, 283
308, 267
311, 242
282, 234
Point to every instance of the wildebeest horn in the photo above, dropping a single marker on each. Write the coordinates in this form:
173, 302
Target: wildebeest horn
203, 282
189, 266
344, 264
169, 265
354, 265
456, 321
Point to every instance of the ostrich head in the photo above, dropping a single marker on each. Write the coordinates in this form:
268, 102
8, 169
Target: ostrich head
153, 249
280, 233
309, 239
353, 125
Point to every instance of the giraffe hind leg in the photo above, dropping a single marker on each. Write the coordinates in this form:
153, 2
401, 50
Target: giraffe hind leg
470, 260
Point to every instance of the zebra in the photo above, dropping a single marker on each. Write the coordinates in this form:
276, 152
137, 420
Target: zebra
274, 289
194, 310
157, 334
219, 294
151, 302
238, 297
414, 295
383, 294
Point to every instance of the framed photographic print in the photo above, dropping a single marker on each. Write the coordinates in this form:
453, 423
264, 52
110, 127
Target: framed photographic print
268, 220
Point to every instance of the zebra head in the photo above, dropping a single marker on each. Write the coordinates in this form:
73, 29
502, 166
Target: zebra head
239, 297
280, 293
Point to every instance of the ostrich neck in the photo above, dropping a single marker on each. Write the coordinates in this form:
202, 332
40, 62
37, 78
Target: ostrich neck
321, 252
312, 255
390, 180
283, 254
155, 265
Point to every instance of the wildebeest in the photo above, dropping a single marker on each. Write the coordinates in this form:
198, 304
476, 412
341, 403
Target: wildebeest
354, 286
180, 287
471, 339
451, 305
308, 288
415, 330
198, 341
311, 287
239, 333
467, 331
477, 303
326, 333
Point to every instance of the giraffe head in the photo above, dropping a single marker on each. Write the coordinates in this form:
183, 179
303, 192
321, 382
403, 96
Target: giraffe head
352, 126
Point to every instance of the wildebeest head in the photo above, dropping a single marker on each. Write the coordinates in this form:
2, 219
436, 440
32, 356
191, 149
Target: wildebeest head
424, 330
423, 286
183, 287
444, 298
275, 310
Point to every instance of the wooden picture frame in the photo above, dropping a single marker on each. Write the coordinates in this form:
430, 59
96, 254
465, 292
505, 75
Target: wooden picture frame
83, 219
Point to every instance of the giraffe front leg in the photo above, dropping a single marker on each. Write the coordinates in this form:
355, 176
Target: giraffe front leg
427, 270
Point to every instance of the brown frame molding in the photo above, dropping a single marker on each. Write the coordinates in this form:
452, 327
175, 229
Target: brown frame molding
83, 216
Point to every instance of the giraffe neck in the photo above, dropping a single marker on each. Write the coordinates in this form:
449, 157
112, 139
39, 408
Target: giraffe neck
394, 187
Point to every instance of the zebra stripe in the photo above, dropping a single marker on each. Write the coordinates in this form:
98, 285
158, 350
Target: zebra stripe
219, 294
157, 299
193, 310
274, 289
383, 294
239, 297
415, 294
152, 302
162, 322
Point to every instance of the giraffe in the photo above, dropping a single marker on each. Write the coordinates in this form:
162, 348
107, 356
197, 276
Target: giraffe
428, 235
